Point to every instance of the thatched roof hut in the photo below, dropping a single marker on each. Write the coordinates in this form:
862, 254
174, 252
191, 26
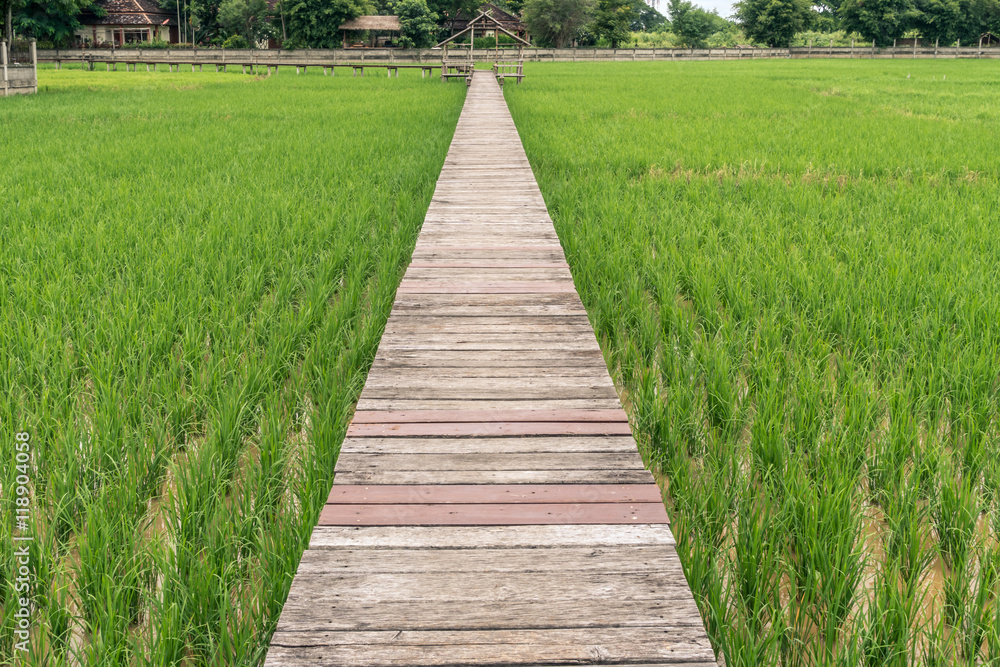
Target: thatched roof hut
371, 24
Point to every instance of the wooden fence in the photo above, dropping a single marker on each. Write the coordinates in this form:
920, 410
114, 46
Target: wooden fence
415, 56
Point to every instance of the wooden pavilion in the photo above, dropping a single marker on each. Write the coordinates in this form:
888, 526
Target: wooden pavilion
373, 25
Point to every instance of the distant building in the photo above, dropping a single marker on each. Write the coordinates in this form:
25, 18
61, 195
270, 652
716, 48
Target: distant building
507, 21
127, 21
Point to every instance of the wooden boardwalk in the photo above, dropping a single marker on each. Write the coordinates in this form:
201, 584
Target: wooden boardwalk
490, 506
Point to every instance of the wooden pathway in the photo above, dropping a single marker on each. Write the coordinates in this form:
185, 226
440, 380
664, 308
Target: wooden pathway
490, 506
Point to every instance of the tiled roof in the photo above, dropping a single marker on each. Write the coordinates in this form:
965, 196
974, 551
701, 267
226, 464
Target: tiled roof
129, 12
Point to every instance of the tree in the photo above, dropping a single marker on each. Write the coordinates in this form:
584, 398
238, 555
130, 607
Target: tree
881, 21
692, 24
938, 19
773, 22
245, 18
448, 10
7, 10
613, 21
55, 20
418, 23
646, 18
554, 22
316, 23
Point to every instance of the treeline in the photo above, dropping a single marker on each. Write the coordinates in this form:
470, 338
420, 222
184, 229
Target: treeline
242, 23
773, 23
559, 23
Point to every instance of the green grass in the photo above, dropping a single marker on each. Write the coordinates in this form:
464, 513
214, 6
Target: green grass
794, 271
196, 270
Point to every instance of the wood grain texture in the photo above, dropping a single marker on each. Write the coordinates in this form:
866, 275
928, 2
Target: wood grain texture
490, 506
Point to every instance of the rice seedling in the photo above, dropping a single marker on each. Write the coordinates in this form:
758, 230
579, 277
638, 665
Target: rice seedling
196, 273
813, 247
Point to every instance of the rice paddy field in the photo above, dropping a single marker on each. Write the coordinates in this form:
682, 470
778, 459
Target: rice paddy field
794, 271
792, 268
196, 271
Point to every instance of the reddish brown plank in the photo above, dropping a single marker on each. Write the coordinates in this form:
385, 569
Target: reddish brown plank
484, 264
488, 428
438, 494
499, 514
450, 416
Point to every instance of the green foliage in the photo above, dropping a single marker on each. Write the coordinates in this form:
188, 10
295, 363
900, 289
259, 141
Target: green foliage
211, 308
773, 22
555, 22
315, 23
449, 9
418, 23
52, 20
236, 41
245, 19
806, 331
646, 17
881, 21
613, 20
949, 20
693, 25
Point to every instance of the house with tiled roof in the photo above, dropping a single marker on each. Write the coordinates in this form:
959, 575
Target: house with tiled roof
127, 21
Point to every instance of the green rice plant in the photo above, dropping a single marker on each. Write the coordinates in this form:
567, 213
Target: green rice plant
887, 630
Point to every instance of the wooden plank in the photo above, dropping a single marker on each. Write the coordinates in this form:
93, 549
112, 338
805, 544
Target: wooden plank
465, 494
491, 514
516, 647
488, 429
411, 416
490, 537
367, 403
527, 461
555, 444
492, 476
622, 559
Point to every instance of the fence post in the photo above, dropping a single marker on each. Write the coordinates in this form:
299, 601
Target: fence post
936, 41
831, 47
915, 47
34, 61
3, 65
873, 48
852, 49
978, 55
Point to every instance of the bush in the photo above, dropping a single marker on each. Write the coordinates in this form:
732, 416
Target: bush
236, 42
155, 44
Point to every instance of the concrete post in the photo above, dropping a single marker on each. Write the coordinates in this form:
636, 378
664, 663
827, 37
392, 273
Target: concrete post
3, 65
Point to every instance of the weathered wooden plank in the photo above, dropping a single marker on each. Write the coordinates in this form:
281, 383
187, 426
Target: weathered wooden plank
510, 647
490, 537
556, 444
534, 559
507, 461
515, 404
305, 614
410, 416
492, 476
491, 514
523, 493
488, 429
